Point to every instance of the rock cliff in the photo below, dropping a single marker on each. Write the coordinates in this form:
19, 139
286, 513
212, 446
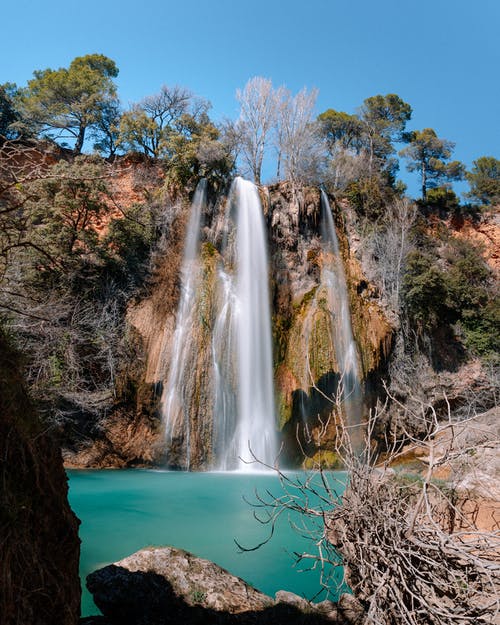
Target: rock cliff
306, 365
306, 371
39, 547
304, 354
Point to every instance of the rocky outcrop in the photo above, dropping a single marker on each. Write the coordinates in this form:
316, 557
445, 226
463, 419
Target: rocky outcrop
470, 453
159, 586
485, 232
39, 546
306, 373
306, 366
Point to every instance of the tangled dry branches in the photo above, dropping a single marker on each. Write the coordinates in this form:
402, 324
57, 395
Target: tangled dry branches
410, 553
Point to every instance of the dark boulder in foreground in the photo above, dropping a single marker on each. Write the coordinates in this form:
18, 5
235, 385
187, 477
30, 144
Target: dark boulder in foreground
167, 586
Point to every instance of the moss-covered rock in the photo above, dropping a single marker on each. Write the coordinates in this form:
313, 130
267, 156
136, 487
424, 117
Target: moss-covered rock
306, 366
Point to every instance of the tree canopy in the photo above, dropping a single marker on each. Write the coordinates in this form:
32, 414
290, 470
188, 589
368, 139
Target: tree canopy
340, 130
384, 118
428, 154
257, 118
484, 180
350, 153
8, 113
146, 127
64, 103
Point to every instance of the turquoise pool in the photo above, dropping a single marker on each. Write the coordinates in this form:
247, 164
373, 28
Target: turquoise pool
123, 511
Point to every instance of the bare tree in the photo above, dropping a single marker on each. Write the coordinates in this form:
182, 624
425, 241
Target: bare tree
297, 142
347, 165
389, 246
257, 117
409, 544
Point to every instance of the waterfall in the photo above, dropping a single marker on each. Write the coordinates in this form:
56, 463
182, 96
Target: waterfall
218, 402
176, 400
333, 278
244, 414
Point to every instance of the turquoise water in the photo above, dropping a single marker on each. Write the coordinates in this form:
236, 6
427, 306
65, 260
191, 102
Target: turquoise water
123, 511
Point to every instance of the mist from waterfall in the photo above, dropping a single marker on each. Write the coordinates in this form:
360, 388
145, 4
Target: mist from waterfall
334, 279
175, 400
244, 411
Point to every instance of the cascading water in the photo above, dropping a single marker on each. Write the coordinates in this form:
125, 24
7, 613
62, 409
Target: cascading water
333, 278
244, 415
176, 401
218, 401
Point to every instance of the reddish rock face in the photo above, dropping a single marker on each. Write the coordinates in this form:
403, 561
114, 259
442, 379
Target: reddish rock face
39, 546
486, 233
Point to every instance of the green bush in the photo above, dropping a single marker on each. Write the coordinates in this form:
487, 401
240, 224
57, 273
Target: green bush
369, 196
454, 289
443, 199
425, 292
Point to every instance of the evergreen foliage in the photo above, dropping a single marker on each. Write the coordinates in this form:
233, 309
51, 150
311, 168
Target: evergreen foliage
429, 155
484, 180
340, 130
443, 199
8, 113
64, 103
456, 289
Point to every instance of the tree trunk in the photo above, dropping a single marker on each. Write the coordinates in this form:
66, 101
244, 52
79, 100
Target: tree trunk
424, 182
256, 170
79, 140
370, 165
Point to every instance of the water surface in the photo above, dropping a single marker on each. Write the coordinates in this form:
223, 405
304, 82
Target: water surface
123, 511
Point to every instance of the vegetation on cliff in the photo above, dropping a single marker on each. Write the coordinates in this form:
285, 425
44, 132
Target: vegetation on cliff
83, 236
76, 249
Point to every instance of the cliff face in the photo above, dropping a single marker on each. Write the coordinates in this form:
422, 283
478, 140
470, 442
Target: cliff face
39, 549
306, 369
306, 365
305, 362
485, 232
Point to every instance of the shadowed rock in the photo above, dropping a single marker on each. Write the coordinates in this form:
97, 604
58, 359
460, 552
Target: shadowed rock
162, 586
39, 545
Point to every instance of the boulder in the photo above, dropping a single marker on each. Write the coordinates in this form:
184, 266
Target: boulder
165, 585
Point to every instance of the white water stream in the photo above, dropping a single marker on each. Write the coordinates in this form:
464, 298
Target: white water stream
333, 278
175, 402
244, 415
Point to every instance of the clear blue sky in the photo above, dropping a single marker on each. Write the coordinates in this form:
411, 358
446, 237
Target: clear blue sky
441, 56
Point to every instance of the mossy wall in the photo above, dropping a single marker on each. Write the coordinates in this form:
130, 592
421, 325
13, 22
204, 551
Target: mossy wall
306, 369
